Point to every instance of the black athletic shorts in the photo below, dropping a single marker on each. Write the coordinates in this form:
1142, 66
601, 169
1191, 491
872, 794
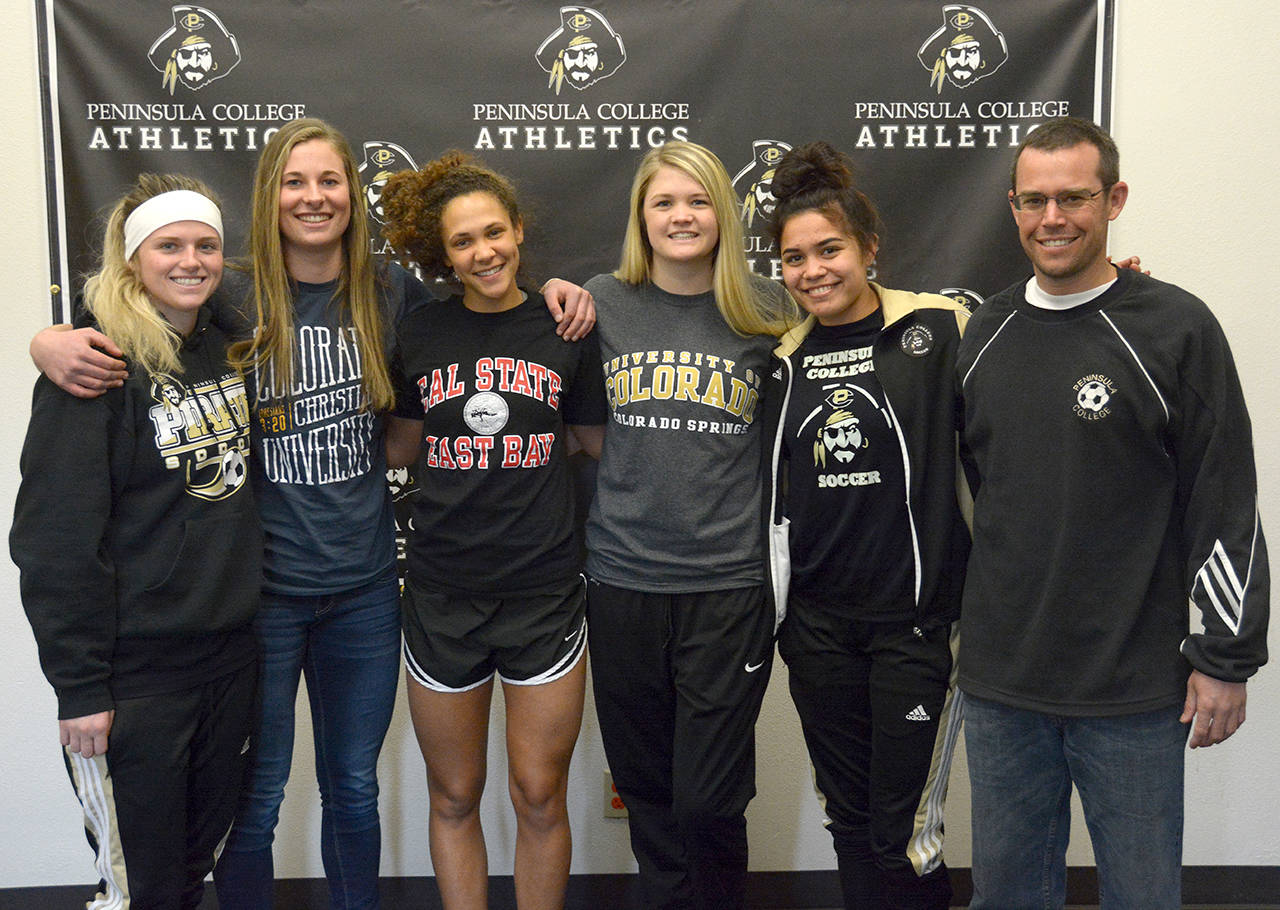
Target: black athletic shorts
454, 642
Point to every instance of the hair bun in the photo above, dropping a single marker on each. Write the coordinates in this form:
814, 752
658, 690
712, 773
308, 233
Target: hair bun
813, 166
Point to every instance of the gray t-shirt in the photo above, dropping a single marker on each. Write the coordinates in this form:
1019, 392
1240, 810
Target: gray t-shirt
677, 504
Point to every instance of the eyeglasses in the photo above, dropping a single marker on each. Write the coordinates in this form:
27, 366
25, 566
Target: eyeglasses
1070, 201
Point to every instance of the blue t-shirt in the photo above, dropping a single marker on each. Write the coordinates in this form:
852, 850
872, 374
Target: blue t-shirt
319, 467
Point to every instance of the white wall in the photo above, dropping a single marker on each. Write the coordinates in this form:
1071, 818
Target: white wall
1198, 126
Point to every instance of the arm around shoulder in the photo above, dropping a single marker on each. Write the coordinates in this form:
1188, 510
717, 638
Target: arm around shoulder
83, 362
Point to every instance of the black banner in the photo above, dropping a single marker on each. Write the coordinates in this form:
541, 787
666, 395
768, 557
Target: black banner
929, 97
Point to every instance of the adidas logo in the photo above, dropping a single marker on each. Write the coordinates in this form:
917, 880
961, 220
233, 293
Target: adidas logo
918, 713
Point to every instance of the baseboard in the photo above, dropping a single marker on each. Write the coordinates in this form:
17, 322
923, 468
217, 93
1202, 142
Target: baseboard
1214, 886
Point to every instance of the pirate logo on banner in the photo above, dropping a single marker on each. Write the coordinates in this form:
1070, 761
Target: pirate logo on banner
196, 50
967, 298
582, 51
967, 48
381, 160
755, 181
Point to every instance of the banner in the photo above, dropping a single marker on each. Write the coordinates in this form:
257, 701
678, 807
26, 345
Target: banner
930, 98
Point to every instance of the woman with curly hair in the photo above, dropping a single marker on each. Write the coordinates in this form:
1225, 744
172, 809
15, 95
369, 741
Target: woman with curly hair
486, 396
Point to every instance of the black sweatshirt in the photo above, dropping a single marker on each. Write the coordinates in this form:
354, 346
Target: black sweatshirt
136, 533
1111, 462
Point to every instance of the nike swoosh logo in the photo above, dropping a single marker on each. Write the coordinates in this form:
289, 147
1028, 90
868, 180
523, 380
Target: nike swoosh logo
751, 669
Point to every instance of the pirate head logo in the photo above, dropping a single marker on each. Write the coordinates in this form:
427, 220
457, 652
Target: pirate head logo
841, 433
166, 390
582, 51
195, 51
401, 483
381, 160
755, 181
967, 47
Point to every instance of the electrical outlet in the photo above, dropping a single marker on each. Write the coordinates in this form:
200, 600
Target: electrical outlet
613, 807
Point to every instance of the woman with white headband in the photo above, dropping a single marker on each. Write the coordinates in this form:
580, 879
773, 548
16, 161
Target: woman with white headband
313, 320
140, 552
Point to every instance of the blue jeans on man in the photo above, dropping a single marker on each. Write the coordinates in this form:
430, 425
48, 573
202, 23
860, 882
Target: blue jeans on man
348, 646
1129, 772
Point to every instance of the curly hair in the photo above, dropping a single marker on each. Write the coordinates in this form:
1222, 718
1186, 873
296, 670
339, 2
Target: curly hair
115, 295
816, 177
413, 203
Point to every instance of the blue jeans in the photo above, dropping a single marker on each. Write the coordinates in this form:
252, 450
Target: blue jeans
348, 645
1128, 770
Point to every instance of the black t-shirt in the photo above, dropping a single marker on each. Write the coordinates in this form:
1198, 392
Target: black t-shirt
851, 547
494, 512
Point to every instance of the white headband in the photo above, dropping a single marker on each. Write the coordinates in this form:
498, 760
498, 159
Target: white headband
167, 208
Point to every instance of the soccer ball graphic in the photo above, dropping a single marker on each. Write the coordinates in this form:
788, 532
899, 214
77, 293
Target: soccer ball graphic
1093, 396
233, 469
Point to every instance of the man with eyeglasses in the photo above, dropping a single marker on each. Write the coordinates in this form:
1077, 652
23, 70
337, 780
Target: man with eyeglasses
1109, 450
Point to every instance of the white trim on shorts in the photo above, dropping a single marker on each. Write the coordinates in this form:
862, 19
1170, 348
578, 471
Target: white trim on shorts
424, 679
566, 663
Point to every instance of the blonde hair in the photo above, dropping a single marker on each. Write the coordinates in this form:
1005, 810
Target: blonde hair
270, 350
115, 294
741, 305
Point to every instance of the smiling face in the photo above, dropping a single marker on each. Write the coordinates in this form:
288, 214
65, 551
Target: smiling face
179, 266
1068, 250
825, 268
483, 248
315, 199
679, 221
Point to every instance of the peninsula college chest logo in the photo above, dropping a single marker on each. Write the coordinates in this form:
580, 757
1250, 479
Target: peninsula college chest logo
582, 51
1093, 395
196, 50
967, 48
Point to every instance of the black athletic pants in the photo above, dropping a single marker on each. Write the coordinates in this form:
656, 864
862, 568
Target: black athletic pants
678, 681
876, 705
159, 802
